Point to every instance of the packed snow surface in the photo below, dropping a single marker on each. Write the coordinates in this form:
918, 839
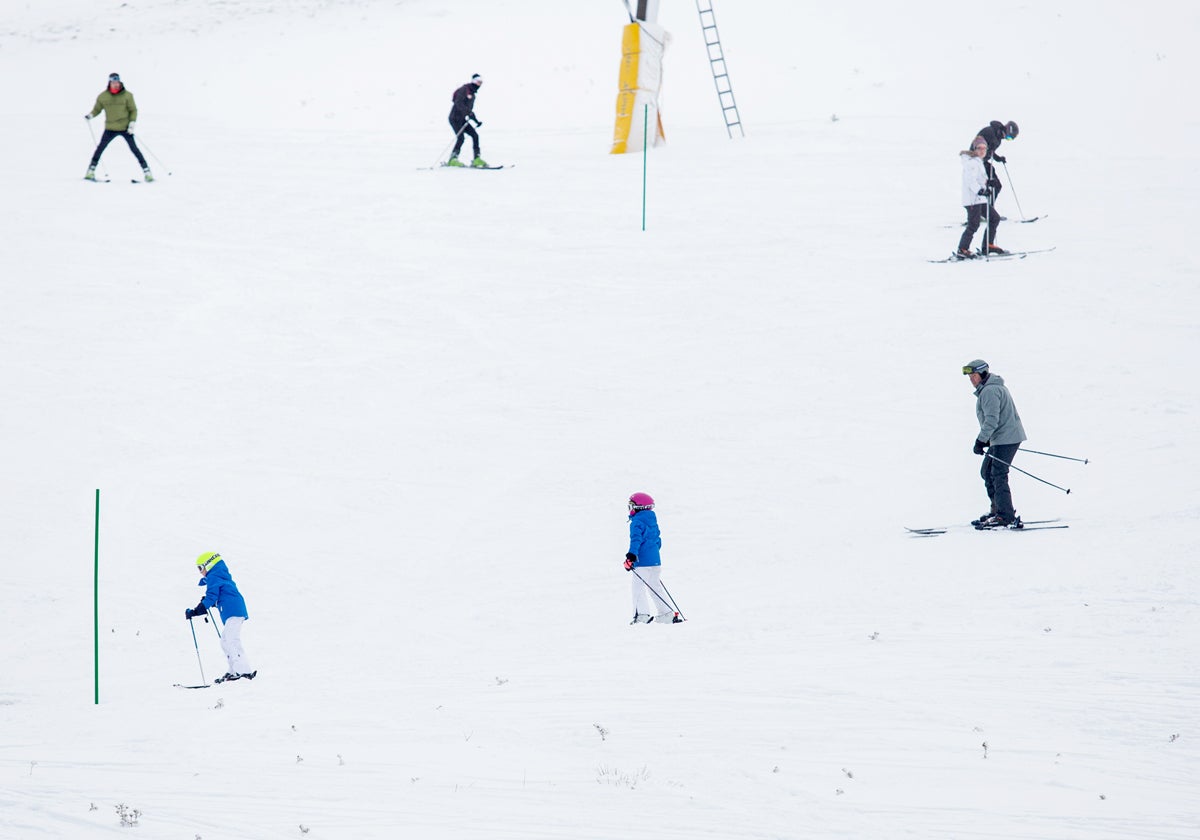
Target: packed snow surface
408, 404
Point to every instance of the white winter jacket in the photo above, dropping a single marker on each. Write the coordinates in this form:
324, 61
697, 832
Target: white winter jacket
974, 180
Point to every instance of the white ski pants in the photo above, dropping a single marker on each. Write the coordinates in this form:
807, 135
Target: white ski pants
649, 597
231, 643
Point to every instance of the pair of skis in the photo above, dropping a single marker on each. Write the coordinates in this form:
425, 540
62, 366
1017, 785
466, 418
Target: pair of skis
1003, 219
448, 166
1031, 525
218, 681
1007, 255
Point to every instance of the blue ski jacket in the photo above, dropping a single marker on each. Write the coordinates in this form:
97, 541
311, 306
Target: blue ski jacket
644, 539
222, 593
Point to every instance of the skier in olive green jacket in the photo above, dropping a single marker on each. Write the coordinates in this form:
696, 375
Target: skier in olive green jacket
120, 118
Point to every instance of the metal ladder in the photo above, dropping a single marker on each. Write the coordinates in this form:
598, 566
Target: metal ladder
716, 60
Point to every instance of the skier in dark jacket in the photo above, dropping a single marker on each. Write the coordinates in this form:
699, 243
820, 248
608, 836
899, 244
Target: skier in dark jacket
120, 118
995, 133
462, 114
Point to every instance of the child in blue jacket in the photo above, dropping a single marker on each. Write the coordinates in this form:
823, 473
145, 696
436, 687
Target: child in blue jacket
643, 556
221, 592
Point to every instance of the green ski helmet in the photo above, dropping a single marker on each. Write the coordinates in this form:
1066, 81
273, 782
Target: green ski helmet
207, 560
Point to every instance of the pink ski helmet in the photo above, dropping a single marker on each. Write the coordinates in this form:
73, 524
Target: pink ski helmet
640, 501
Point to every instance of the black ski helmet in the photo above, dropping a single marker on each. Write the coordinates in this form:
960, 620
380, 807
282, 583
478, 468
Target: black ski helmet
1011, 131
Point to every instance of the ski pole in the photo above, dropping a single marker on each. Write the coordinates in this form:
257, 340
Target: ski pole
451, 143
672, 597
151, 151
1066, 490
103, 168
197, 645
1014, 191
1052, 455
207, 615
987, 227
656, 595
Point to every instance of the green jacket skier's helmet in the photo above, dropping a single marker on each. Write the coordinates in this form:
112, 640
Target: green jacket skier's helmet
207, 560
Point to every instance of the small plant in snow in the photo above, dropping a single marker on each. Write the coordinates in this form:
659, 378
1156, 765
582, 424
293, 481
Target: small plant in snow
299, 759
500, 681
220, 703
984, 745
33, 764
874, 636
603, 732
128, 816
849, 775
1173, 738
619, 778
93, 807
341, 762
303, 828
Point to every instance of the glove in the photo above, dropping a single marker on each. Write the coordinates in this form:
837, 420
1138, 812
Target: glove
982, 192
630, 562
87, 116
979, 447
195, 612
131, 125
479, 123
999, 159
993, 183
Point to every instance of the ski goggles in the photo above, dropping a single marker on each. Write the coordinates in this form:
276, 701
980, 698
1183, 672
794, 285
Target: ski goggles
969, 369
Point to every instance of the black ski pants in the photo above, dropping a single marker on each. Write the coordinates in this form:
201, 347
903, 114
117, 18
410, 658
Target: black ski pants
464, 130
108, 137
975, 214
995, 478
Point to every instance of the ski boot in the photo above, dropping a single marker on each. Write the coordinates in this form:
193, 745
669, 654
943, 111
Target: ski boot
454, 161
147, 175
642, 618
91, 174
479, 163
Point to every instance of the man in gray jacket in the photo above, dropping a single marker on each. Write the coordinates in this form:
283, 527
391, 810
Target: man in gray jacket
1000, 430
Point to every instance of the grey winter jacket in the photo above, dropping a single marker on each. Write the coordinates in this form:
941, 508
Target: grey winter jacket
999, 422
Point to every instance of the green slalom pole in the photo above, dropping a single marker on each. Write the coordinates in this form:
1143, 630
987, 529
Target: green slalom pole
96, 598
645, 137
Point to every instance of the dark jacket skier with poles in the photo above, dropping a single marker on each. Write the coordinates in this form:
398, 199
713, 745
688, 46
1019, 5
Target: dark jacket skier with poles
120, 119
462, 114
1001, 432
994, 134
